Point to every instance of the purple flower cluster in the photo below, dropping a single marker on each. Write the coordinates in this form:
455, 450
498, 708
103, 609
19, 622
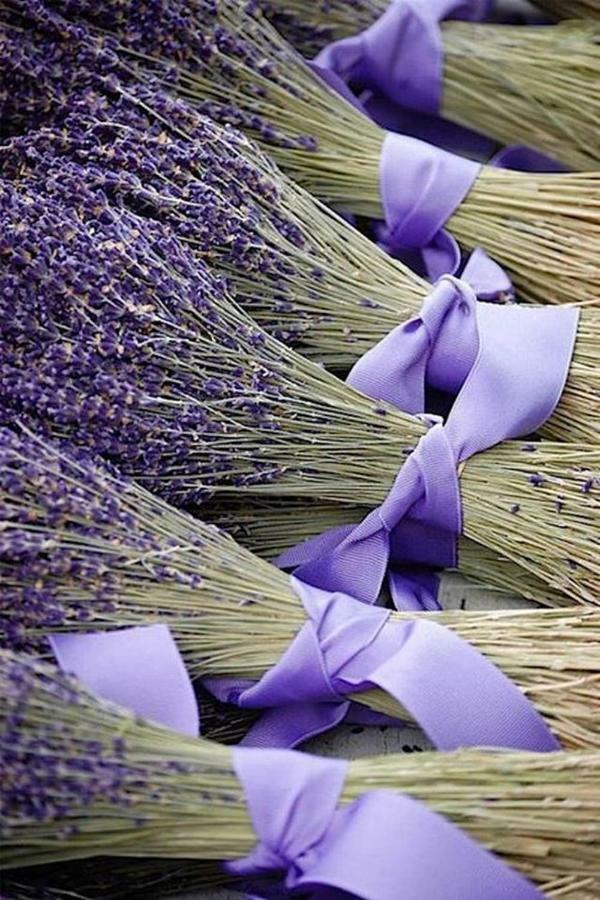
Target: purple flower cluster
57, 760
116, 337
75, 545
151, 152
220, 44
49, 771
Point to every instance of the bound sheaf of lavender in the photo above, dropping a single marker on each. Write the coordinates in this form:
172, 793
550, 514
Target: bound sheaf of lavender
226, 59
82, 548
116, 337
81, 776
322, 287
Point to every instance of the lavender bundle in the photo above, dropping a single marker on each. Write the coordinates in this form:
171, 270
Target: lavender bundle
114, 336
230, 63
571, 9
85, 777
82, 549
303, 274
548, 101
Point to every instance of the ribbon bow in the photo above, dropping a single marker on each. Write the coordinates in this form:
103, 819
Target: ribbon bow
346, 647
507, 365
379, 847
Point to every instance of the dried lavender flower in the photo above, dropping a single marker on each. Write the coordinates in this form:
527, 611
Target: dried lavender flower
227, 60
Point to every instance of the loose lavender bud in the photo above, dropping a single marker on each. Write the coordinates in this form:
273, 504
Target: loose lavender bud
536, 479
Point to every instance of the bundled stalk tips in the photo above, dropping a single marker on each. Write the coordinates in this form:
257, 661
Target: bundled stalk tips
311, 26
81, 550
231, 64
85, 777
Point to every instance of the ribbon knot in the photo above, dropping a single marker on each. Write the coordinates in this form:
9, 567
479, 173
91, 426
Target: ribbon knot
347, 647
375, 848
504, 367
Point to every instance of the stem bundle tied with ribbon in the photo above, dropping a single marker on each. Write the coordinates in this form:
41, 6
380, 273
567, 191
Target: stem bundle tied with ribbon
276, 530
302, 273
230, 63
83, 550
84, 776
117, 337
529, 85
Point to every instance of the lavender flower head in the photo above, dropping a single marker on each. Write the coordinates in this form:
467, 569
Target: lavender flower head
117, 338
72, 762
231, 64
298, 269
82, 548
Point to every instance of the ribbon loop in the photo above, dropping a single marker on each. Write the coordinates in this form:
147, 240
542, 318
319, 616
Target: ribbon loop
421, 187
401, 54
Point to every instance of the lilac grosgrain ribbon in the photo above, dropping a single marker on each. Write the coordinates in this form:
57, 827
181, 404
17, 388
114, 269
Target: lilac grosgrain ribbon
452, 691
506, 364
421, 187
380, 847
457, 696
138, 668
401, 54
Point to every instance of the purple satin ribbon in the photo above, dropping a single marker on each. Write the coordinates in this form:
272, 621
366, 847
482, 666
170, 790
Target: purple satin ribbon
507, 365
457, 696
401, 54
139, 668
381, 846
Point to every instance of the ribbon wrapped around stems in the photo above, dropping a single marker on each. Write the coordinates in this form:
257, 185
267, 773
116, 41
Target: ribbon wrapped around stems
401, 54
345, 647
422, 186
506, 365
452, 691
376, 848
397, 64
